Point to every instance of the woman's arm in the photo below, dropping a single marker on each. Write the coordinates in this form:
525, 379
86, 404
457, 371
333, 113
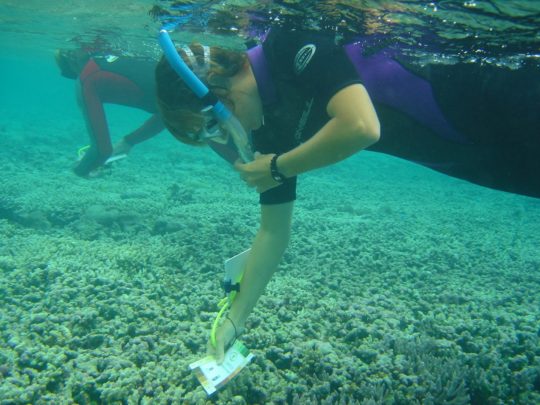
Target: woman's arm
266, 252
150, 128
353, 126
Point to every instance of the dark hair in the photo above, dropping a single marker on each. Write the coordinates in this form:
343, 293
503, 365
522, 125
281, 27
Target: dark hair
179, 106
71, 61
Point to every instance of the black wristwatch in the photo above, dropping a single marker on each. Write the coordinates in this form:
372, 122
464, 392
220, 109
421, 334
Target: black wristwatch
276, 174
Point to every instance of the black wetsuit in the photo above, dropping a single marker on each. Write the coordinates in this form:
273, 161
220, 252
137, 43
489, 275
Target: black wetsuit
479, 123
304, 79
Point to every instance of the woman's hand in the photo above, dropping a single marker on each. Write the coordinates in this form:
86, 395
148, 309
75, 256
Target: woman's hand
122, 147
257, 173
225, 336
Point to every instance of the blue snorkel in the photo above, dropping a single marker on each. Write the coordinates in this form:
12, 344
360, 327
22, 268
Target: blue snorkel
227, 121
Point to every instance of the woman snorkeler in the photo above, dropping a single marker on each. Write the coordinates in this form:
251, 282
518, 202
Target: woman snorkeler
310, 103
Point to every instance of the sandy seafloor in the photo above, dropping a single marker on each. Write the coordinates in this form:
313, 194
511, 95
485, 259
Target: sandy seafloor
400, 285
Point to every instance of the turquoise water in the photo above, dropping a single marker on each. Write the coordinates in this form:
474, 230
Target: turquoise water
401, 285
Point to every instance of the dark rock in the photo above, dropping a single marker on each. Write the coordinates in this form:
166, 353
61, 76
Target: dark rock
356, 334
93, 341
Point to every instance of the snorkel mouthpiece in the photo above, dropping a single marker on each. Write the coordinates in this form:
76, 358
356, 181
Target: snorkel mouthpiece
226, 119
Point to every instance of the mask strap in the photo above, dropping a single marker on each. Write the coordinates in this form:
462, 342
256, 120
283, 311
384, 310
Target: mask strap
206, 51
200, 68
191, 56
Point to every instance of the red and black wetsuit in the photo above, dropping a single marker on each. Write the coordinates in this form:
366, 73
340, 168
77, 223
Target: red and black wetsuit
127, 81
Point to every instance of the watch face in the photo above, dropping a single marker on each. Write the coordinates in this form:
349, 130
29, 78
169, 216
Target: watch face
277, 177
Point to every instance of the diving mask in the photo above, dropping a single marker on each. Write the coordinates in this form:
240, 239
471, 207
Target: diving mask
210, 130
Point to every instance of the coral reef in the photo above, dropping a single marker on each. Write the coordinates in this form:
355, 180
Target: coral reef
386, 295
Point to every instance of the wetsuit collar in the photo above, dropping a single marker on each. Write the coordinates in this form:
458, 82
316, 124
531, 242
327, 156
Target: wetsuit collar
263, 77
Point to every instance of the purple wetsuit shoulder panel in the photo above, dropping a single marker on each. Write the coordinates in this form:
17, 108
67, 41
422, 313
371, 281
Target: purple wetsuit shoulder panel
389, 83
265, 84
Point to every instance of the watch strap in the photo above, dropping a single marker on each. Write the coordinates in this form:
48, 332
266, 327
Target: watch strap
274, 171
